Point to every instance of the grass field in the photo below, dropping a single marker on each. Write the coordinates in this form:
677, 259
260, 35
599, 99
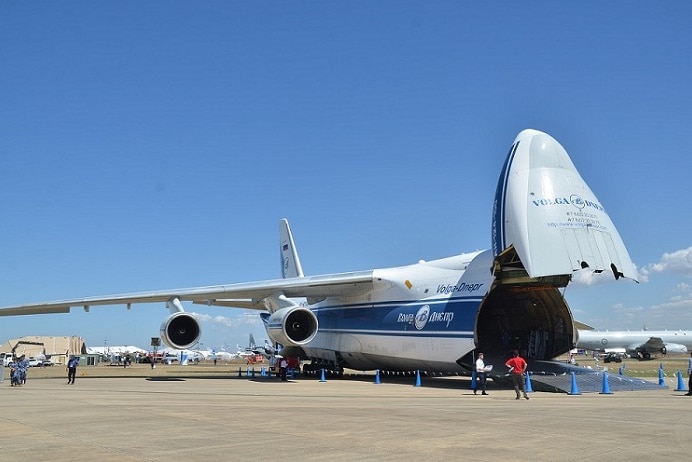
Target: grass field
635, 368
630, 367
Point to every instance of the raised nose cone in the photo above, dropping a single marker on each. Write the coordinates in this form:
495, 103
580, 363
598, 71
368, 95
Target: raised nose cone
549, 214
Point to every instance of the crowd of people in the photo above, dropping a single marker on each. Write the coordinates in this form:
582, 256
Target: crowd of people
19, 367
18, 370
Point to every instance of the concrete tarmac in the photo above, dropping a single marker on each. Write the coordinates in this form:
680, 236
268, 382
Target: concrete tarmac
237, 418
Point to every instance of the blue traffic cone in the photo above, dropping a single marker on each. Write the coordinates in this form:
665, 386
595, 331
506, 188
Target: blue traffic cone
528, 387
418, 384
681, 384
574, 390
377, 376
606, 386
322, 379
661, 381
474, 381
621, 371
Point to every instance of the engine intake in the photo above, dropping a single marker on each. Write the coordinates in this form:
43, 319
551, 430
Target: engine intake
292, 326
181, 330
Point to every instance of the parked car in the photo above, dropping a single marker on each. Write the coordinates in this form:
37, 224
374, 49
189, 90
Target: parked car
612, 358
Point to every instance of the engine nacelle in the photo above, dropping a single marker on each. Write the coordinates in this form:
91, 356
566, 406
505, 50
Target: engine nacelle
181, 330
294, 325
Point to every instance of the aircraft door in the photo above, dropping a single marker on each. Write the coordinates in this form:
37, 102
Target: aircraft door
536, 321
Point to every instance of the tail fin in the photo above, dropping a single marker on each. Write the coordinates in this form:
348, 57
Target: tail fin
290, 263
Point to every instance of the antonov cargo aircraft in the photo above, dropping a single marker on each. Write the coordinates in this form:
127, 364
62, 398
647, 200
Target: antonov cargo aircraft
431, 315
637, 344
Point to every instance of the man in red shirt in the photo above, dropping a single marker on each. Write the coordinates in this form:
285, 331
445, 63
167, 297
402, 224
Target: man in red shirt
517, 367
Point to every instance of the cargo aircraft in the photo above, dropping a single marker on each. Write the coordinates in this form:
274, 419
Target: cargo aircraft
637, 344
430, 315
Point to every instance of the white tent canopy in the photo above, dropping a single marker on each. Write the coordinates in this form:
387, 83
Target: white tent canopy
122, 350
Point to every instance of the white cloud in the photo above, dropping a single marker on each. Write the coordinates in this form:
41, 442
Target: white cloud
643, 274
683, 287
676, 304
676, 313
230, 332
241, 320
678, 262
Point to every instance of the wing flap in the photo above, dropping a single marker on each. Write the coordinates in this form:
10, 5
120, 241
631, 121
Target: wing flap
35, 309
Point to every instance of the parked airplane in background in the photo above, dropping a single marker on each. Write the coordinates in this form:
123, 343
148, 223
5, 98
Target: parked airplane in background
637, 344
431, 315
266, 350
221, 355
253, 353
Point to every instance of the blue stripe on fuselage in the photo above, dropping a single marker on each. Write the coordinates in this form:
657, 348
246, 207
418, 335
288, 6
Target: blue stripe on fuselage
425, 318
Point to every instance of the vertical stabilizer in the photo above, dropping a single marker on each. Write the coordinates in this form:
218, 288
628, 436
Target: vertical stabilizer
290, 263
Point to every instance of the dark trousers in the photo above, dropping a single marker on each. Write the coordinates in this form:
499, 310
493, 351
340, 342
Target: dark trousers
519, 384
71, 372
283, 374
481, 378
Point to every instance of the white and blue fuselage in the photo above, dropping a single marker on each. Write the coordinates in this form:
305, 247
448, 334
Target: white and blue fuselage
420, 316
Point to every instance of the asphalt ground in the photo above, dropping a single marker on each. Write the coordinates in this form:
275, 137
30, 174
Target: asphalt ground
225, 417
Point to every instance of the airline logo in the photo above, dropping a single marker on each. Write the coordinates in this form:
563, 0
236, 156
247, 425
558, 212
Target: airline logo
574, 200
424, 316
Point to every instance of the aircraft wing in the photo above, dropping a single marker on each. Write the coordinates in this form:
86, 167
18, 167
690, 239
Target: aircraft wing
583, 326
653, 344
243, 295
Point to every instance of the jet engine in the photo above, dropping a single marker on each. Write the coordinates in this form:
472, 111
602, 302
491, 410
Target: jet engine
181, 330
293, 325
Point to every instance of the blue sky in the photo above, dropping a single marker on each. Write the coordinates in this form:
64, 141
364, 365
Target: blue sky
155, 145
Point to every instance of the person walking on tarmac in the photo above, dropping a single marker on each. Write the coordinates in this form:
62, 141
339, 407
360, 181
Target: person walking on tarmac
72, 369
481, 372
517, 367
283, 367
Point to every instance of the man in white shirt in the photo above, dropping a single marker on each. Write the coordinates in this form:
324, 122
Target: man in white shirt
283, 367
480, 374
